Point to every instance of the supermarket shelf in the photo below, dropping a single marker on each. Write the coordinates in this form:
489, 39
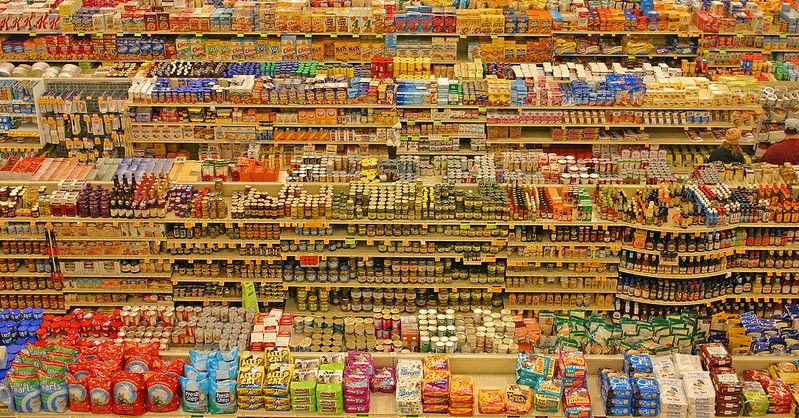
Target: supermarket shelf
72, 304
268, 105
223, 299
23, 272
459, 152
353, 284
31, 292
555, 288
107, 238
720, 251
541, 307
534, 259
153, 275
675, 276
25, 256
335, 311
624, 55
177, 278
769, 270
737, 297
255, 124
221, 241
609, 125
412, 122
22, 238
114, 290
559, 273
219, 255
340, 235
372, 251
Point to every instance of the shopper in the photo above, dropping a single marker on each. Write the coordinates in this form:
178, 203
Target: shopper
787, 150
730, 151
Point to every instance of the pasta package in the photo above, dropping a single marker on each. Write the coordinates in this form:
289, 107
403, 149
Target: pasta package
576, 403
491, 401
548, 395
518, 399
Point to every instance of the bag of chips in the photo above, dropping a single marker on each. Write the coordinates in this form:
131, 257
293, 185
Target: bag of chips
162, 391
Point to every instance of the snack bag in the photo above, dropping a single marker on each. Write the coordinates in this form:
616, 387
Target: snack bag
54, 392
222, 397
384, 380
100, 394
129, 393
78, 393
27, 394
194, 394
490, 401
518, 399
162, 391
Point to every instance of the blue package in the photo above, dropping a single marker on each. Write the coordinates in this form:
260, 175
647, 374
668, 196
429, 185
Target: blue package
193, 374
194, 395
646, 412
645, 388
646, 403
619, 411
232, 355
619, 402
222, 397
222, 370
199, 360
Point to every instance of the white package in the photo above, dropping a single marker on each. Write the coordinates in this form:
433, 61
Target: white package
663, 368
686, 363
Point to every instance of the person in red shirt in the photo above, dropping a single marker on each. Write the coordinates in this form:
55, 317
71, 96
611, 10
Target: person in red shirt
787, 150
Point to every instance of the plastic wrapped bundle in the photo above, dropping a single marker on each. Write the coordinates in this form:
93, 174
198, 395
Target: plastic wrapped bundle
700, 394
356, 390
673, 402
686, 363
461, 395
755, 399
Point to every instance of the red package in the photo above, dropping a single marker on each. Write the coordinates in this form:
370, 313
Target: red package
100, 394
173, 367
779, 395
80, 370
79, 393
129, 393
139, 363
757, 375
131, 348
726, 381
715, 355
162, 391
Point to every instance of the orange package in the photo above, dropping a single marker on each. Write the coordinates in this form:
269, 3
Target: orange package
490, 401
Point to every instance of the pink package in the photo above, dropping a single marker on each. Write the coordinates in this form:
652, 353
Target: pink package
384, 380
356, 409
362, 361
356, 399
356, 381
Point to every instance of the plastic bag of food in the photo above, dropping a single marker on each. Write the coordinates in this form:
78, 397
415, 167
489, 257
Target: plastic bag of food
384, 380
100, 394
222, 397
129, 393
518, 399
78, 393
162, 391
194, 395
54, 392
490, 401
26, 391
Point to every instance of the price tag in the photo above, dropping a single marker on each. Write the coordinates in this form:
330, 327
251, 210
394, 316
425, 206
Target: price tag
240, 35
334, 35
783, 36
482, 109
99, 34
491, 226
356, 35
199, 35
436, 123
495, 289
465, 226
494, 36
263, 35
379, 36
32, 34
462, 36
739, 35
81, 33
120, 34
137, 34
